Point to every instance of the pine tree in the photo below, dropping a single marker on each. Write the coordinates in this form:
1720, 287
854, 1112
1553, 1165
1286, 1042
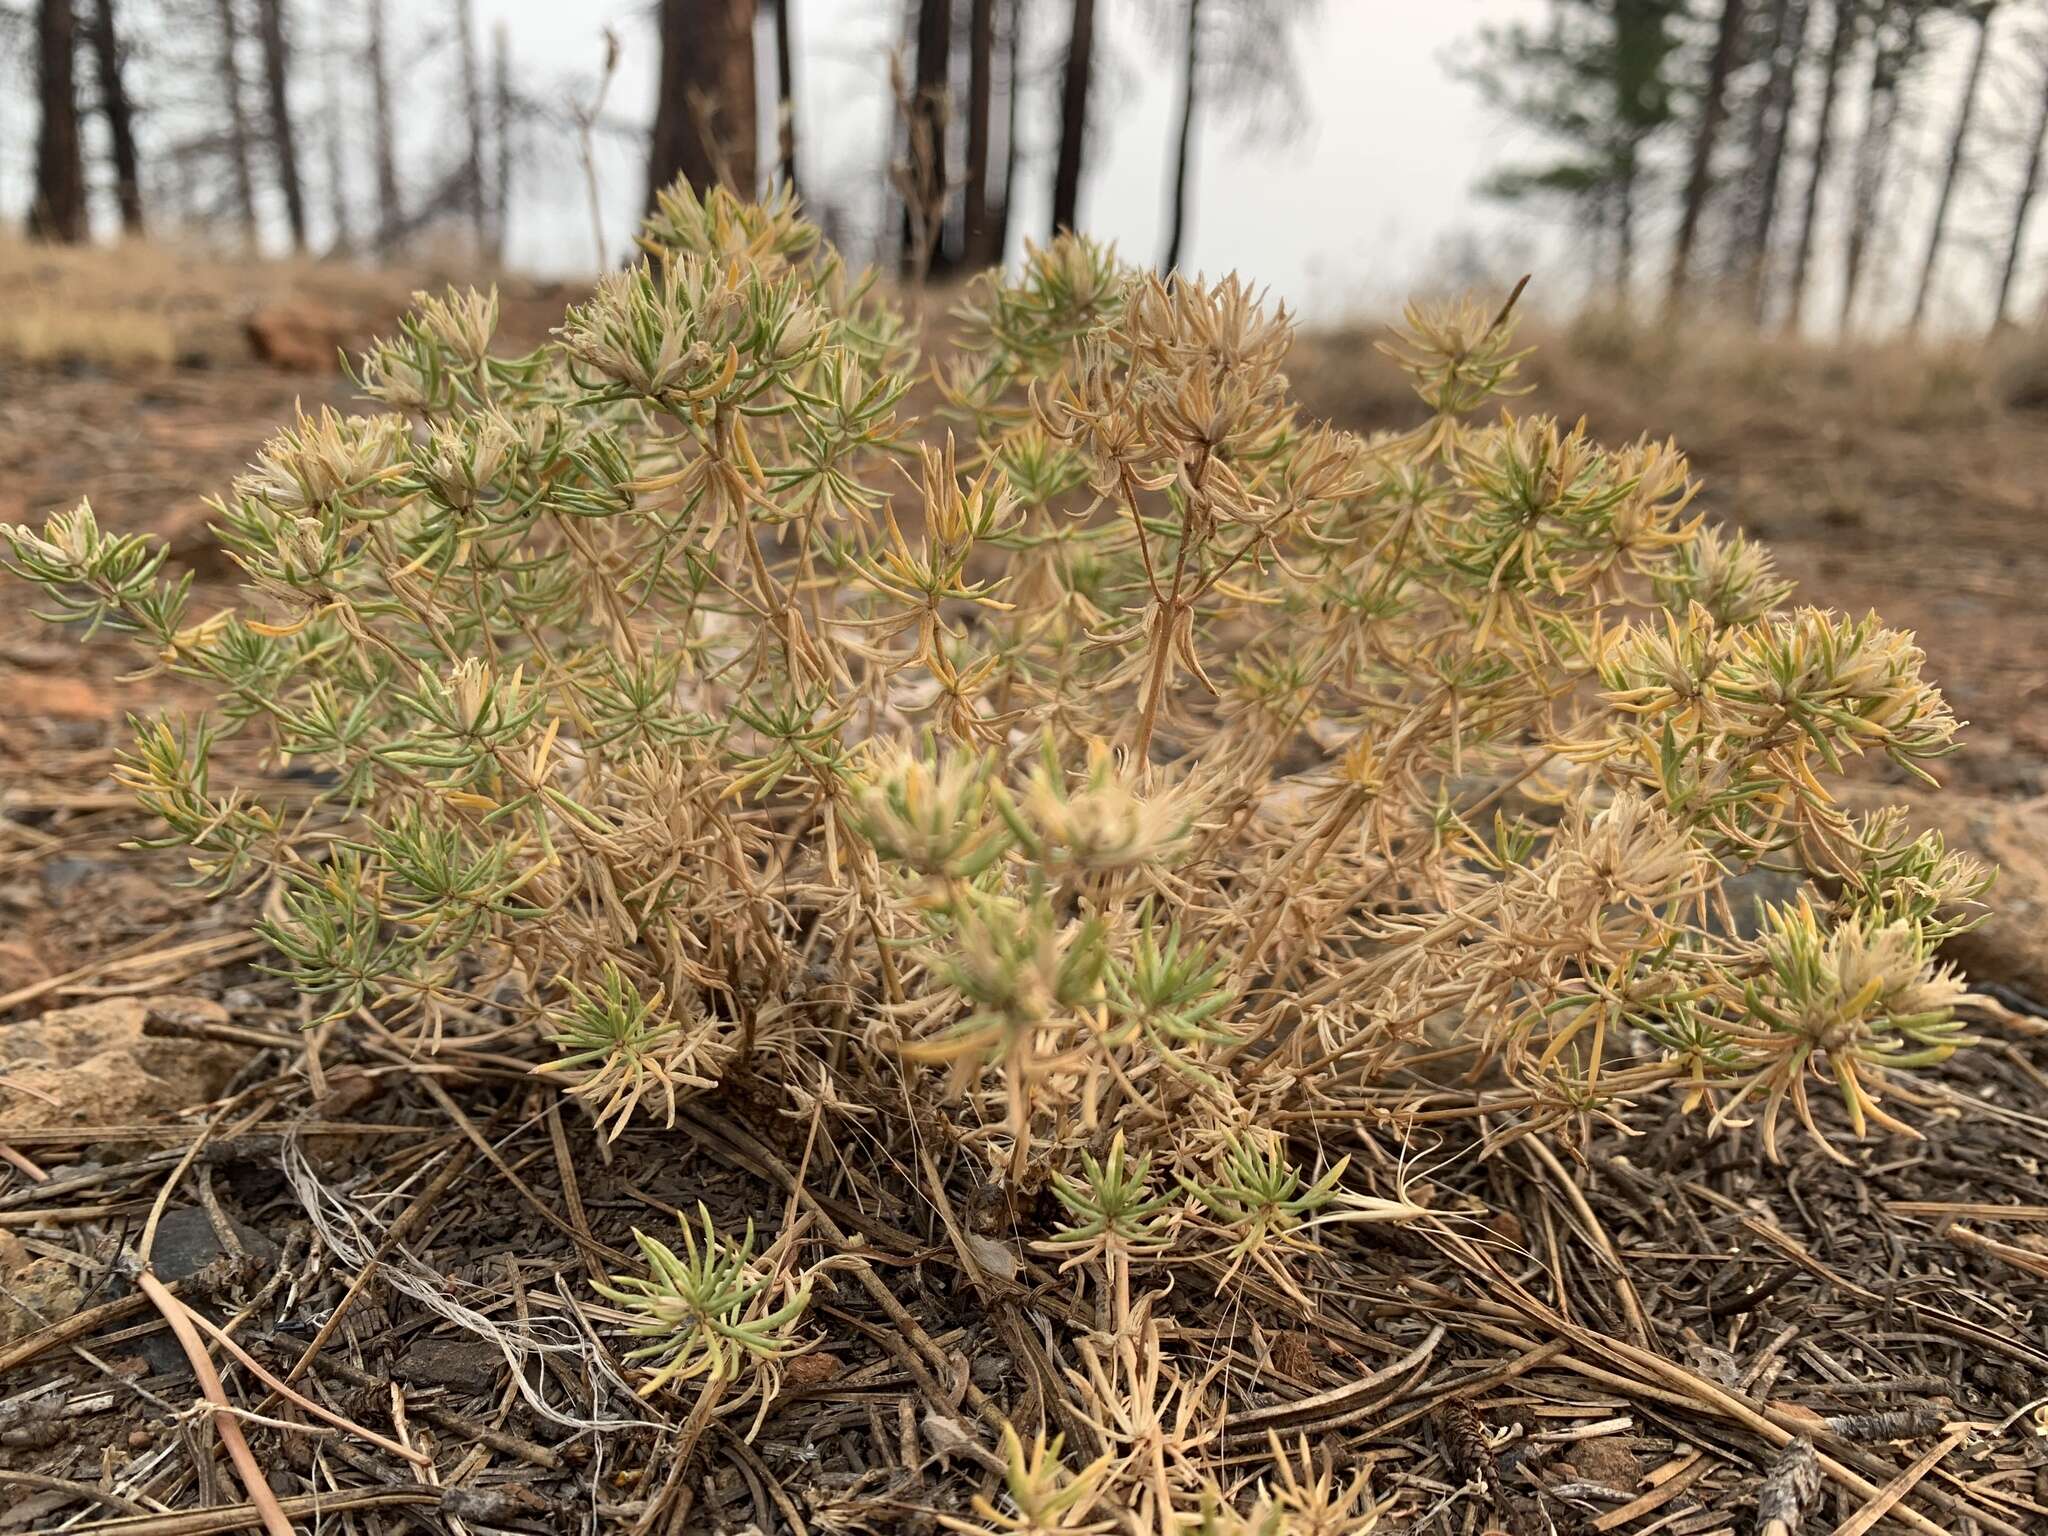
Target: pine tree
1597, 80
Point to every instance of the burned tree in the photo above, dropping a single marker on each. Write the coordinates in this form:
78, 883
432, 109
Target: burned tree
1066, 181
277, 99
704, 104
119, 113
58, 212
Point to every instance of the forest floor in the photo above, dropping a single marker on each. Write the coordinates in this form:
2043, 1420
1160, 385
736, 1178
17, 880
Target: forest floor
410, 1239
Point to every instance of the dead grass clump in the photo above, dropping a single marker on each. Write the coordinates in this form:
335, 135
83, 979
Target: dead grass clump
146, 303
53, 332
759, 732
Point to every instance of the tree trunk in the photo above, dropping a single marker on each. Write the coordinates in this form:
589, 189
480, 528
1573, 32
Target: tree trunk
501, 98
1888, 65
704, 121
1625, 223
58, 212
1066, 179
389, 217
981, 62
785, 95
238, 120
1839, 43
473, 114
276, 79
1184, 144
1956, 145
120, 115
929, 110
1775, 19
1781, 103
1013, 72
1713, 110
2036, 152
333, 137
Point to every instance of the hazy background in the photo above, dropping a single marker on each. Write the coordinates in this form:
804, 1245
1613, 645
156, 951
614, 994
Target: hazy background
1369, 190
1373, 193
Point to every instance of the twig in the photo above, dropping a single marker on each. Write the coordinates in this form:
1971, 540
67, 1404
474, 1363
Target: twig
75, 1489
1885, 1498
242, 1517
225, 1423
586, 119
250, 1363
1790, 1487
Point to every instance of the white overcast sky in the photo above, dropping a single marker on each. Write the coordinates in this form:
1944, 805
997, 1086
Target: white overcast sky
1350, 213
1372, 201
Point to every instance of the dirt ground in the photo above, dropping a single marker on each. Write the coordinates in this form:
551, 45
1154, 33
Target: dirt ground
418, 1239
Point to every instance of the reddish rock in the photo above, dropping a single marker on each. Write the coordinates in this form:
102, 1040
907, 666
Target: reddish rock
299, 335
25, 694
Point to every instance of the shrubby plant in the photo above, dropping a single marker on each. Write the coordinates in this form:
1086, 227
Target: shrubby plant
1138, 766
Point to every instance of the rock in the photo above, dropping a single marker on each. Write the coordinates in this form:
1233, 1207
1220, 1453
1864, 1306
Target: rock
94, 1065
1610, 1460
186, 1243
62, 698
299, 335
468, 1365
34, 1292
1744, 892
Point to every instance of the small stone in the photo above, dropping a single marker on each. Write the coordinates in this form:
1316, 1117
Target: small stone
39, 1293
471, 1365
1610, 1459
186, 1243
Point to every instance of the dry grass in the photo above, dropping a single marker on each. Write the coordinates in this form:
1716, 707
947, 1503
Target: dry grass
150, 303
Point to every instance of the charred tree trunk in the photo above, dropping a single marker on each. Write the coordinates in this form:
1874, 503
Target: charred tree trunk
2036, 152
473, 116
389, 217
785, 96
58, 212
1013, 56
334, 138
1888, 65
1840, 41
1625, 224
238, 119
1770, 22
981, 63
1956, 146
929, 111
1781, 102
283, 139
1713, 111
501, 102
119, 112
704, 112
1184, 143
1066, 179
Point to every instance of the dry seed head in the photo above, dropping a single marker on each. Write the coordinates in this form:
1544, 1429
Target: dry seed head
1098, 820
462, 320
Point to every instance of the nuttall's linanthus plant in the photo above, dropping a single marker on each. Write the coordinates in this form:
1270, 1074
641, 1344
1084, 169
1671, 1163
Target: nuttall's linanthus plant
1120, 757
